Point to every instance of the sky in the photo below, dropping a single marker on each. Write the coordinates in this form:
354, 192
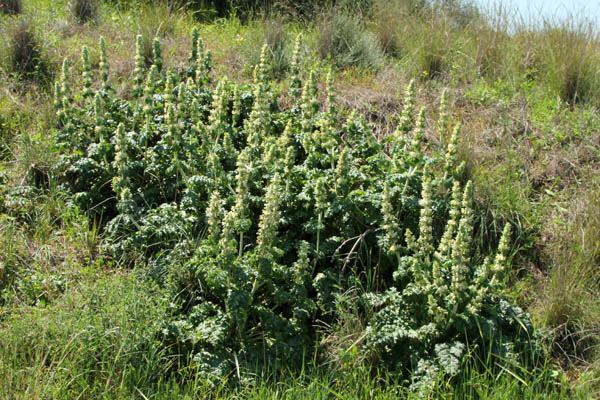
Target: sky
589, 9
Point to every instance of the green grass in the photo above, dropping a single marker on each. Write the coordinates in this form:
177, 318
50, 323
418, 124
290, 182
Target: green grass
73, 324
97, 341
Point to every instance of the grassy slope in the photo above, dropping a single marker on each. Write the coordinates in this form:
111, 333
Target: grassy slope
533, 158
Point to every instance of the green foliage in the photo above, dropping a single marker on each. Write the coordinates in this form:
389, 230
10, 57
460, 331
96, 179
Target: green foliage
243, 210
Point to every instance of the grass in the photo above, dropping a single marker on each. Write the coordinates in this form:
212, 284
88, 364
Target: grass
528, 99
12, 7
344, 41
26, 60
85, 11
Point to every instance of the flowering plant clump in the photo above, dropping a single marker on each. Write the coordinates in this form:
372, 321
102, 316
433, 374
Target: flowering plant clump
256, 219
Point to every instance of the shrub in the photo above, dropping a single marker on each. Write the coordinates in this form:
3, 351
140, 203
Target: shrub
84, 11
11, 7
257, 220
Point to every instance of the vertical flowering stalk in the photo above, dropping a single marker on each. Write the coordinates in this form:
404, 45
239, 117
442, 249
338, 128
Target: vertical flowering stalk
444, 119
172, 138
193, 58
213, 215
416, 145
268, 224
227, 243
289, 155
467, 208
67, 100
258, 121
499, 266
218, 113
242, 193
302, 264
342, 172
310, 103
481, 287
87, 73
215, 169
58, 103
170, 89
461, 248
65, 90
173, 141
445, 247
100, 128
451, 152
149, 89
104, 66
138, 72
391, 229
236, 112
296, 84
203, 64
120, 184
332, 111
320, 207
425, 241
269, 219
158, 60
407, 118
182, 101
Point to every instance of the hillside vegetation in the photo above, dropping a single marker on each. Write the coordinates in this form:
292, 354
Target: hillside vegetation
292, 199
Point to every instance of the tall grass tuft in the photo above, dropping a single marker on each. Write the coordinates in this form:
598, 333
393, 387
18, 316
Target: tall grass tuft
573, 51
25, 54
386, 27
156, 20
492, 43
276, 39
345, 41
569, 305
11, 7
84, 11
